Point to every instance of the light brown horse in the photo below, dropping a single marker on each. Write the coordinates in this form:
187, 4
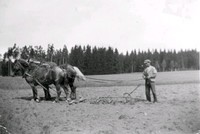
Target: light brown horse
72, 72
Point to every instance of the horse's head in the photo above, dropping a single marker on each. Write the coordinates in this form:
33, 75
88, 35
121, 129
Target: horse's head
16, 66
19, 65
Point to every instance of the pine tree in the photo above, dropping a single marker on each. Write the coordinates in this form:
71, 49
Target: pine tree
50, 52
116, 62
65, 55
25, 52
164, 65
88, 60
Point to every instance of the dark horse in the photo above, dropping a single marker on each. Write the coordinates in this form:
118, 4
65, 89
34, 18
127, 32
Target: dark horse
44, 75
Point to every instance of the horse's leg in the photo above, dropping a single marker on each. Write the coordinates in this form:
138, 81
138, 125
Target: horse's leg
47, 93
73, 91
66, 90
58, 92
35, 94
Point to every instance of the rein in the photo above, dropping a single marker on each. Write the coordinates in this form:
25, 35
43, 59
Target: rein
36, 81
18, 63
109, 80
31, 75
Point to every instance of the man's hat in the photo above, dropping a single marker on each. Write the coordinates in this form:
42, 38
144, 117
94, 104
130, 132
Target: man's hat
147, 61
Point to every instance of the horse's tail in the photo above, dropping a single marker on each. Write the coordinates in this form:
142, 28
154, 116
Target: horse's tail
79, 74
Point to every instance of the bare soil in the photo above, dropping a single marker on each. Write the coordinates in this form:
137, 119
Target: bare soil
177, 112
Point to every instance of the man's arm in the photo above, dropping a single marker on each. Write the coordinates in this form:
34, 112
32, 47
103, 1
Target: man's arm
153, 73
145, 75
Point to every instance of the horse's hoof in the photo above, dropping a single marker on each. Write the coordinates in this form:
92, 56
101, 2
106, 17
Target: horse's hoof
56, 101
37, 100
73, 102
81, 99
68, 100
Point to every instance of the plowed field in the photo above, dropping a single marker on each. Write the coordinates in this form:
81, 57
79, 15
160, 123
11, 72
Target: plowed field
177, 112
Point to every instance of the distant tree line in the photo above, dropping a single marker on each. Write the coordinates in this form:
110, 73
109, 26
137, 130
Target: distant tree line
102, 60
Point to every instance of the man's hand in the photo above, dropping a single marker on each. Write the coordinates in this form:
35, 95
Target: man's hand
147, 77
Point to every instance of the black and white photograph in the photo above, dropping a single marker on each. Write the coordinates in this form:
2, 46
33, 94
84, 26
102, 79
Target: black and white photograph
99, 67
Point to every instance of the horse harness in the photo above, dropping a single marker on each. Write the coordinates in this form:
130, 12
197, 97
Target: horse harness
27, 74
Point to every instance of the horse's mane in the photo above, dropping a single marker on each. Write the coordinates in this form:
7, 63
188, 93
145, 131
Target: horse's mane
65, 66
24, 63
50, 64
33, 65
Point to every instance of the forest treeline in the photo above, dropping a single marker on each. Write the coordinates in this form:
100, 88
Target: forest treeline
108, 60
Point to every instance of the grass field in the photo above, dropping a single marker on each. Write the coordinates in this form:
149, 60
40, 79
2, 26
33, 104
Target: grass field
177, 112
132, 79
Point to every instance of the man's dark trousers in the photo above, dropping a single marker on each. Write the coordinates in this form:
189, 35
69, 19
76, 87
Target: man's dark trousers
150, 85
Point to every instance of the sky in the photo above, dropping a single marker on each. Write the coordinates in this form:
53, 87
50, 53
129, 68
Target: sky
122, 24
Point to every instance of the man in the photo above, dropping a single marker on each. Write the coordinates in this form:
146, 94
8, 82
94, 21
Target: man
149, 75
